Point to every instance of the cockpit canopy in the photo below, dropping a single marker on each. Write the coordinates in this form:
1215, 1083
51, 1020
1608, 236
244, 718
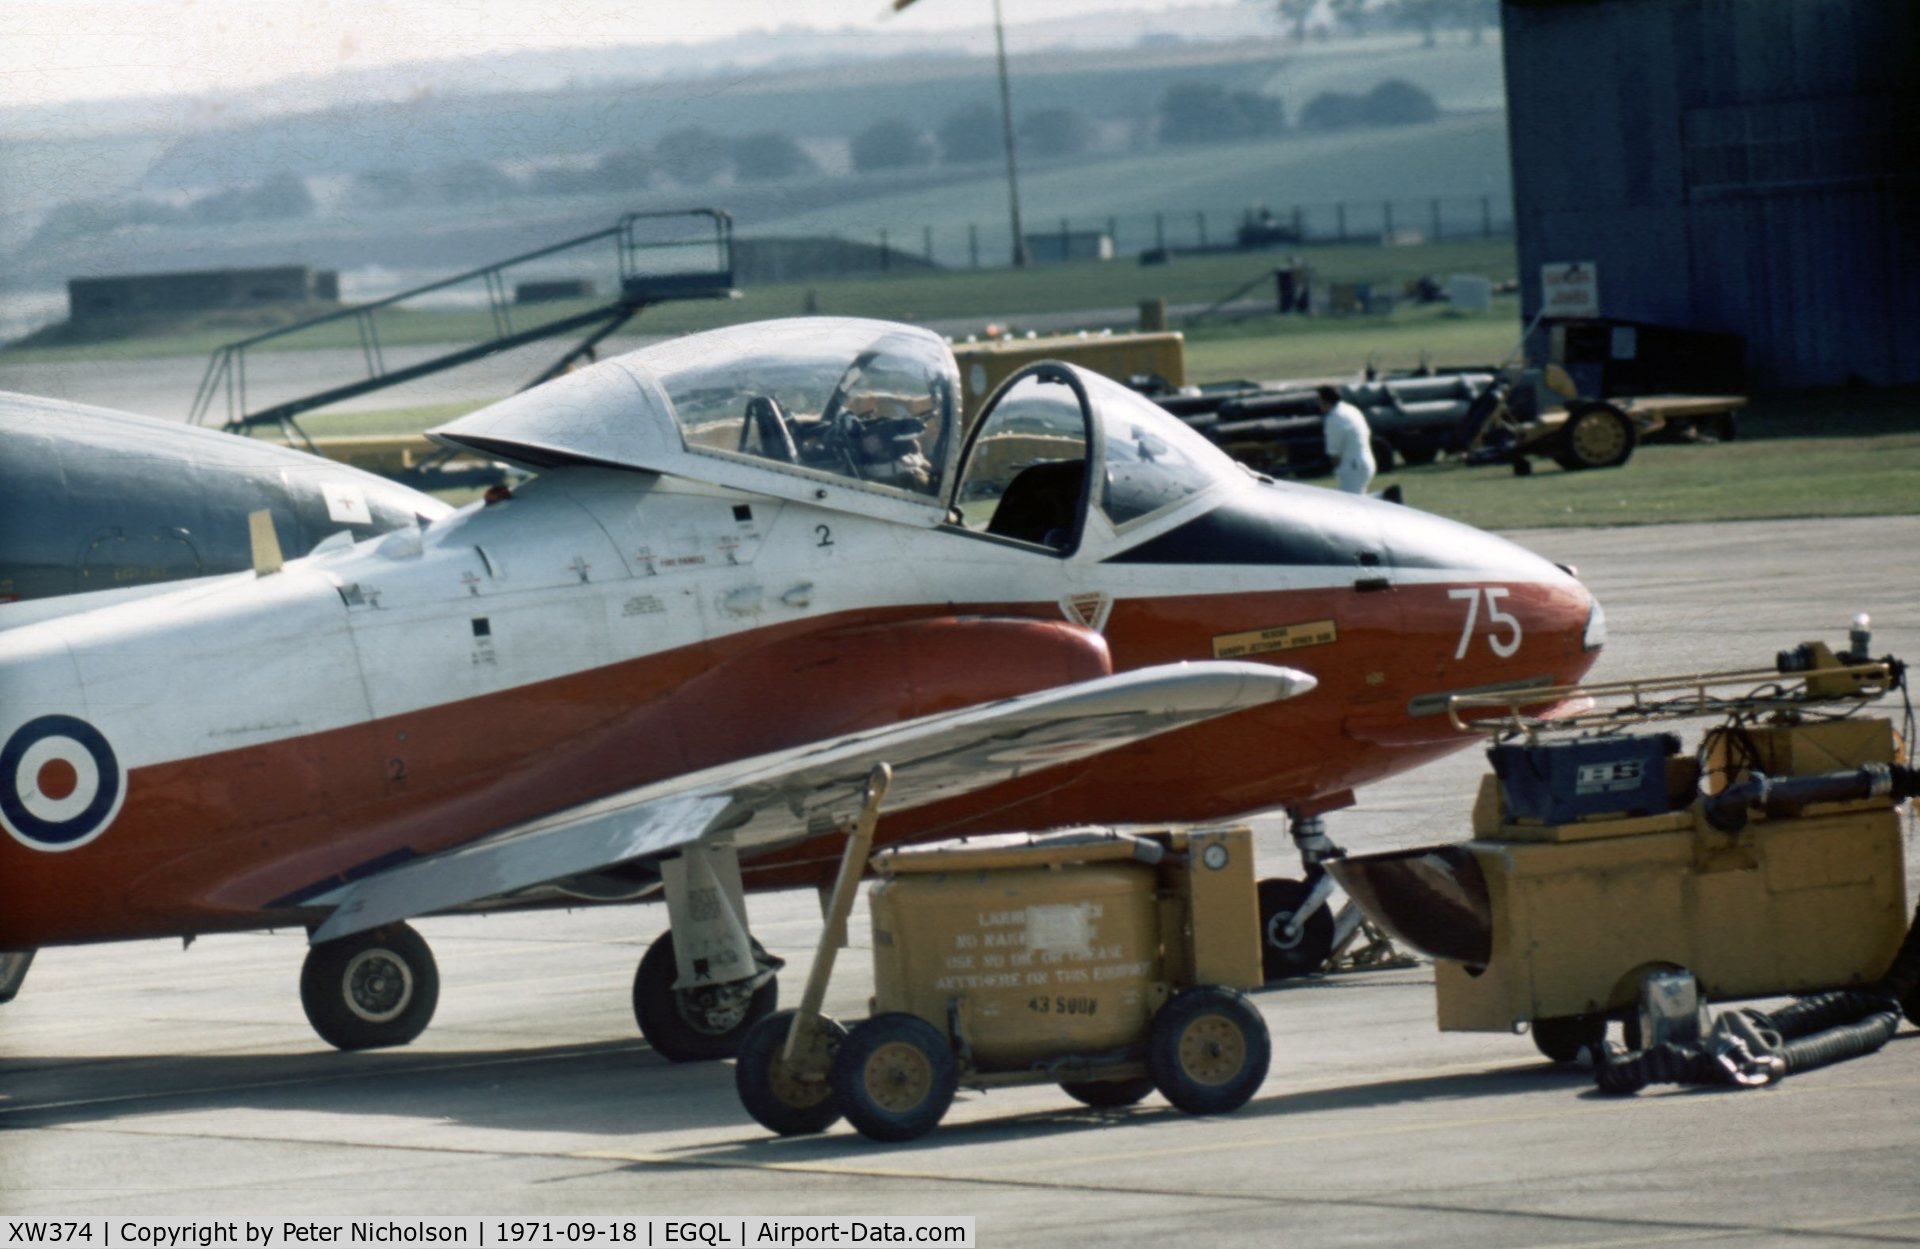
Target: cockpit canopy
863, 401
847, 413
862, 416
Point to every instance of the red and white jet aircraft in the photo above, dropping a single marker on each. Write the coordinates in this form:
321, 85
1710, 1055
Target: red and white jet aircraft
754, 562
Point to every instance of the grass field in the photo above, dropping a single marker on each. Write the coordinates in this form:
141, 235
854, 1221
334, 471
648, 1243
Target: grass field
1274, 347
1798, 455
1003, 295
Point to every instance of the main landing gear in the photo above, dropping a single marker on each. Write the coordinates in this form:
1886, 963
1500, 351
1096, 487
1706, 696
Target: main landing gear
702, 986
705, 982
370, 989
1300, 932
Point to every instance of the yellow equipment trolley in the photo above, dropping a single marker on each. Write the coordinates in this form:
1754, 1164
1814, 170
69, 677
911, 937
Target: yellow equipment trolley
1106, 963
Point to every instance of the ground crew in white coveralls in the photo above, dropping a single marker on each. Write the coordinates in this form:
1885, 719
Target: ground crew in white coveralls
1349, 440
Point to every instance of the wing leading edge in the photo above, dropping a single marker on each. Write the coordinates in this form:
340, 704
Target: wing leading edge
784, 796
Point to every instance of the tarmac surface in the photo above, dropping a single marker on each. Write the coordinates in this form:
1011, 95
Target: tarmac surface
141, 1080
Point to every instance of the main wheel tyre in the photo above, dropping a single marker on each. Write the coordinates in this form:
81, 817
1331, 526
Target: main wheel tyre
1596, 435
779, 1100
1208, 1050
894, 1077
1283, 957
1105, 1094
371, 989
700, 1024
1562, 1037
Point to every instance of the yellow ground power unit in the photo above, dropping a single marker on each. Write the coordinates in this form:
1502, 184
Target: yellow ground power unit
1106, 963
1782, 873
1583, 911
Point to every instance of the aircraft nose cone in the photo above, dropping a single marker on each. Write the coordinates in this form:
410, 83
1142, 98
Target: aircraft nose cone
1501, 607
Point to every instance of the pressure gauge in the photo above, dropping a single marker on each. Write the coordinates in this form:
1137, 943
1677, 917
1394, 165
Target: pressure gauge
1214, 856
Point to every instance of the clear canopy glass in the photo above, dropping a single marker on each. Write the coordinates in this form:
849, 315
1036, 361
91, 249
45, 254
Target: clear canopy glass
862, 401
1153, 459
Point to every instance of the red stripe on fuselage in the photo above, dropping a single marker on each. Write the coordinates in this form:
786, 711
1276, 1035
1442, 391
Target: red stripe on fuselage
204, 844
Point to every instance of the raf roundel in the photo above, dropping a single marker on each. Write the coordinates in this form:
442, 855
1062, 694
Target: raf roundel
60, 784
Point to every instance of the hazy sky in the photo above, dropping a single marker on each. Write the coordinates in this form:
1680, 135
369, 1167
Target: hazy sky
54, 50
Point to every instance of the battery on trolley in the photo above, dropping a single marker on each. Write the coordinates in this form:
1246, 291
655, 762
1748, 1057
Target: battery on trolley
1561, 782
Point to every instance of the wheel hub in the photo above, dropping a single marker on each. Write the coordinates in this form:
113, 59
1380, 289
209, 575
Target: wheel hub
377, 985
1277, 931
1213, 1050
717, 1009
899, 1077
1597, 436
797, 1090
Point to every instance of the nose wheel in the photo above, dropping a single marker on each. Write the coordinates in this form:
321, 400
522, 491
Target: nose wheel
1305, 949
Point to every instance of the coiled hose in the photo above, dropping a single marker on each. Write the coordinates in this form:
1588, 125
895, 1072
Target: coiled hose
1750, 1047
1902, 980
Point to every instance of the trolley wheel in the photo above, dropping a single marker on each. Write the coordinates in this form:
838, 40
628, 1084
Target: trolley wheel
1562, 1037
1208, 1050
1596, 435
894, 1077
704, 1023
1103, 1094
1522, 466
778, 1100
1281, 957
370, 989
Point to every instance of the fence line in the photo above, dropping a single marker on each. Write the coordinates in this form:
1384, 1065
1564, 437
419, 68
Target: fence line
988, 244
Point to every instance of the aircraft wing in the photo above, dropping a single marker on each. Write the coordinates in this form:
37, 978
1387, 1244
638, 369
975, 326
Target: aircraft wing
787, 795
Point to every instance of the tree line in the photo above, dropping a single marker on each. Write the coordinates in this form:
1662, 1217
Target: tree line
693, 156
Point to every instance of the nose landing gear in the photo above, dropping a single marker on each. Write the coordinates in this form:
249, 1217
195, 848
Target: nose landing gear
1301, 933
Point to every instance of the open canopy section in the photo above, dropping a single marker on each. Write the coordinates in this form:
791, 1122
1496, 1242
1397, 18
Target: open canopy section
1026, 475
848, 413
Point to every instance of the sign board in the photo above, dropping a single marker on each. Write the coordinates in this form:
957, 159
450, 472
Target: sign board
1569, 290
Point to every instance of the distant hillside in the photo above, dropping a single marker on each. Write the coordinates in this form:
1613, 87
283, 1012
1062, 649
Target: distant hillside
1460, 160
1347, 177
439, 130
1462, 77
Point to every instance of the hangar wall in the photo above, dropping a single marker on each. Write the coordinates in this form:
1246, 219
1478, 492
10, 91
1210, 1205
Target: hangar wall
1750, 166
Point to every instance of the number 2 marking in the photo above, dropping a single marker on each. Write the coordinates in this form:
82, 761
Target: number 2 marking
826, 535
1496, 619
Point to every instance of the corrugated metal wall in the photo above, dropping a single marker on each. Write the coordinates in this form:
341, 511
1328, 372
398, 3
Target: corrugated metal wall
1742, 165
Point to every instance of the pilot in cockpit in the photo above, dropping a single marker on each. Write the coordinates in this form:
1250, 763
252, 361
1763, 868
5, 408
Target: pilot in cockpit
886, 439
